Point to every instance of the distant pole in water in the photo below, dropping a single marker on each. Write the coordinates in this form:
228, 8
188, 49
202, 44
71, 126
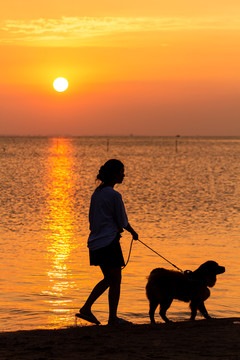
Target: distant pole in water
107, 144
176, 144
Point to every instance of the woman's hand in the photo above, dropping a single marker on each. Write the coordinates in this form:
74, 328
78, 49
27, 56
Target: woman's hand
134, 235
132, 231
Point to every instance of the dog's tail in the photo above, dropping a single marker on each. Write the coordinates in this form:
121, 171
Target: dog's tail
158, 273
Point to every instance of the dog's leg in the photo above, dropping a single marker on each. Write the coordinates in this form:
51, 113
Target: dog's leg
203, 310
193, 307
198, 302
164, 305
152, 308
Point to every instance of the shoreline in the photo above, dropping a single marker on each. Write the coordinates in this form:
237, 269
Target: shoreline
211, 339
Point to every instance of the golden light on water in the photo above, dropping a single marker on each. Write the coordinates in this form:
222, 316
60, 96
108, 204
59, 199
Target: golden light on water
60, 224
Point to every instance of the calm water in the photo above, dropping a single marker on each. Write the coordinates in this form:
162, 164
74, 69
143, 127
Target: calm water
185, 204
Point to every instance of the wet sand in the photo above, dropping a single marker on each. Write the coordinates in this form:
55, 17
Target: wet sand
200, 339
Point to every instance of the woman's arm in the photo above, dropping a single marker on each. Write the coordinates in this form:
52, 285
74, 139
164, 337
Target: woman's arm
132, 231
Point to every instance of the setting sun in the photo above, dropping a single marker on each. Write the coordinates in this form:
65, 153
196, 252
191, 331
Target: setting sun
60, 84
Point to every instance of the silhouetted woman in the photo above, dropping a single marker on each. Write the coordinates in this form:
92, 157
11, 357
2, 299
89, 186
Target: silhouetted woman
107, 217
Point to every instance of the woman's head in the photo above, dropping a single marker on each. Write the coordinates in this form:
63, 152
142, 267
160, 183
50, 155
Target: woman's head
111, 171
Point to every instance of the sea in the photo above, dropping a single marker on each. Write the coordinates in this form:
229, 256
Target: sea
182, 196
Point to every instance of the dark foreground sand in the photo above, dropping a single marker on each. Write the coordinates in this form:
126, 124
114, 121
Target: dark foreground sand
201, 339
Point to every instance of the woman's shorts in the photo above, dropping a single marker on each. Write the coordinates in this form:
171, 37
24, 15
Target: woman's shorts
110, 255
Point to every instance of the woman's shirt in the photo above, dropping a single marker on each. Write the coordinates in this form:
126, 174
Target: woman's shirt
107, 217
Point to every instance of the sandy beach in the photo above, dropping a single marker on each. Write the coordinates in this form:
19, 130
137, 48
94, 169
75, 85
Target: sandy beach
208, 339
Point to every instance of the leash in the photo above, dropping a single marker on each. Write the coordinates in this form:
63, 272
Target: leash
152, 251
129, 254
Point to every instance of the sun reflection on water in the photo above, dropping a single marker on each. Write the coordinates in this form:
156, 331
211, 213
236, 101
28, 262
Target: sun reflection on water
60, 225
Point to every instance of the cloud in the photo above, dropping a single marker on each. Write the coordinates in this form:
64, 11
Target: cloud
83, 28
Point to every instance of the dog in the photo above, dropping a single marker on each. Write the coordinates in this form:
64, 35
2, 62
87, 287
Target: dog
165, 285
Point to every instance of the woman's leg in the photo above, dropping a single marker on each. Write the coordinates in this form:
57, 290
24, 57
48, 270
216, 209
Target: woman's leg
113, 276
97, 291
112, 279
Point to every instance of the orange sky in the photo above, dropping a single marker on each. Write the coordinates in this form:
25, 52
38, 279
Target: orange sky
140, 67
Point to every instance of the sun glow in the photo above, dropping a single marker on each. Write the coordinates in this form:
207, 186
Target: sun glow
60, 84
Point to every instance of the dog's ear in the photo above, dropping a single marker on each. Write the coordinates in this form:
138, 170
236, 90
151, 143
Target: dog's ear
206, 274
210, 280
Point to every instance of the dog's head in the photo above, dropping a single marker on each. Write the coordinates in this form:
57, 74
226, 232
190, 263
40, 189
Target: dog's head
208, 272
